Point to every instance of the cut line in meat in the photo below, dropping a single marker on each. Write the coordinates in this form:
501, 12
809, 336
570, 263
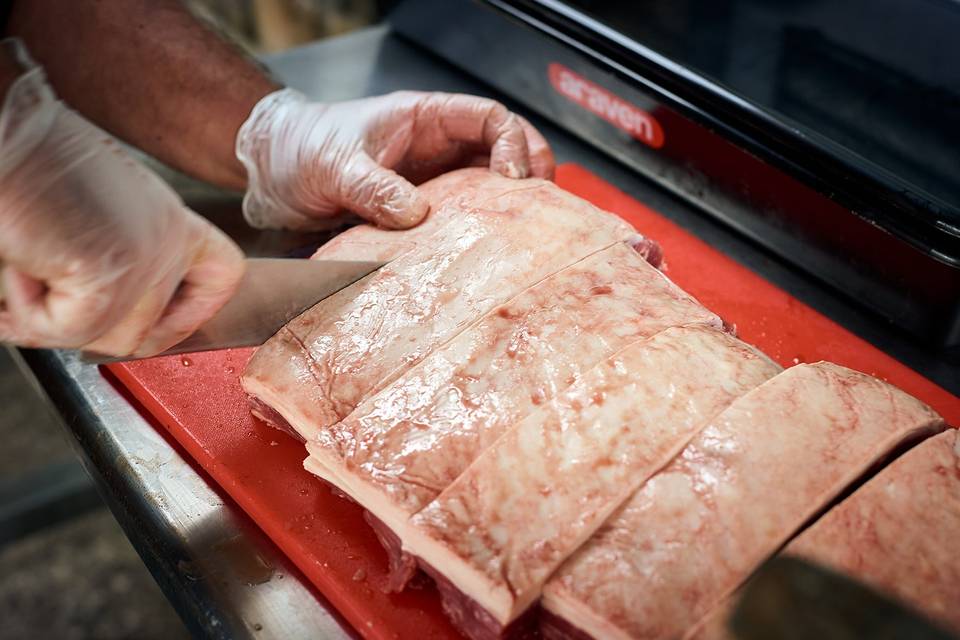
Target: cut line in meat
400, 448
899, 531
317, 369
739, 490
896, 534
525, 409
546, 485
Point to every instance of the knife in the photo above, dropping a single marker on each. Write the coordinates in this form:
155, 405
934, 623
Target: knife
792, 599
273, 292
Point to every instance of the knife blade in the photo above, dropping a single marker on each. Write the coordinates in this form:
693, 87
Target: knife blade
273, 291
792, 599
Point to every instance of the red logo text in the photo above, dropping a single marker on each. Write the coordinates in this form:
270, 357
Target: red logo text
597, 100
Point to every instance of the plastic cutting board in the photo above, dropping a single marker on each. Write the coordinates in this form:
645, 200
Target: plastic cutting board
199, 400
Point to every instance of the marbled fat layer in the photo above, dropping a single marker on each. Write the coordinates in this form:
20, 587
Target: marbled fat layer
739, 490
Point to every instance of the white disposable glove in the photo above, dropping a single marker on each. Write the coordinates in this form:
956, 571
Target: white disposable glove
309, 162
96, 251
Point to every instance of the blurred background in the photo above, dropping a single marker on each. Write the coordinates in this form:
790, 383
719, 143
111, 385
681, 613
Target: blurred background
67, 570
267, 26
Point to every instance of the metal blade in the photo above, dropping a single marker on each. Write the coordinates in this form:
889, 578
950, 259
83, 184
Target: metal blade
792, 599
272, 292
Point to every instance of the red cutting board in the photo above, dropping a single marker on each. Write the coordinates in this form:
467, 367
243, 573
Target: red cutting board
199, 400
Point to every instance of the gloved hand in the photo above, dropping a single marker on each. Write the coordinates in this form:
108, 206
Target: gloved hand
96, 251
309, 162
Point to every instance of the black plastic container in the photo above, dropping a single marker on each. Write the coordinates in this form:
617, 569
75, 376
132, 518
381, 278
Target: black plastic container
843, 164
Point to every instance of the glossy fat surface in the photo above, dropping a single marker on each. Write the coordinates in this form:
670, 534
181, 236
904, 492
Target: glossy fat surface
282, 377
546, 485
742, 486
416, 436
899, 532
511, 236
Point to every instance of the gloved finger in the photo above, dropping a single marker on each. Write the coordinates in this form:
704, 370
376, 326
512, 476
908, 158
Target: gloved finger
471, 119
542, 163
210, 280
68, 315
380, 195
509, 155
125, 337
24, 291
267, 212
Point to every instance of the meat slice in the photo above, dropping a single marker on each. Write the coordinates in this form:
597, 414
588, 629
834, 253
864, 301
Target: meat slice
544, 487
400, 448
897, 534
739, 490
899, 531
322, 364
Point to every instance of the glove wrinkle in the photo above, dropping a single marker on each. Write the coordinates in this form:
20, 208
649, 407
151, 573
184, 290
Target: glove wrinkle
308, 162
93, 244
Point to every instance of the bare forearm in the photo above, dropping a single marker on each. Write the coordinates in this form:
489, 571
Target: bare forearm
151, 74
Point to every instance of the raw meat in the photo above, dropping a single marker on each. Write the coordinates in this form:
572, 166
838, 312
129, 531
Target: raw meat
448, 194
367, 242
400, 448
545, 486
322, 364
739, 490
897, 534
456, 395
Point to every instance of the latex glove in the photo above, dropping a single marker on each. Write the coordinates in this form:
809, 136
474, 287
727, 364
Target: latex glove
96, 250
308, 162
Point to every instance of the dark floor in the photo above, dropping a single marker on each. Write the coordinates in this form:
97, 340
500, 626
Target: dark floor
30, 434
78, 579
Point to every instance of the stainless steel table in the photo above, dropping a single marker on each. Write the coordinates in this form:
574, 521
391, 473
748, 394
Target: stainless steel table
221, 574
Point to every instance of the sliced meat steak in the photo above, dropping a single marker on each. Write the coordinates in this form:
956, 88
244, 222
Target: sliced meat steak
543, 488
322, 364
897, 533
401, 447
736, 493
